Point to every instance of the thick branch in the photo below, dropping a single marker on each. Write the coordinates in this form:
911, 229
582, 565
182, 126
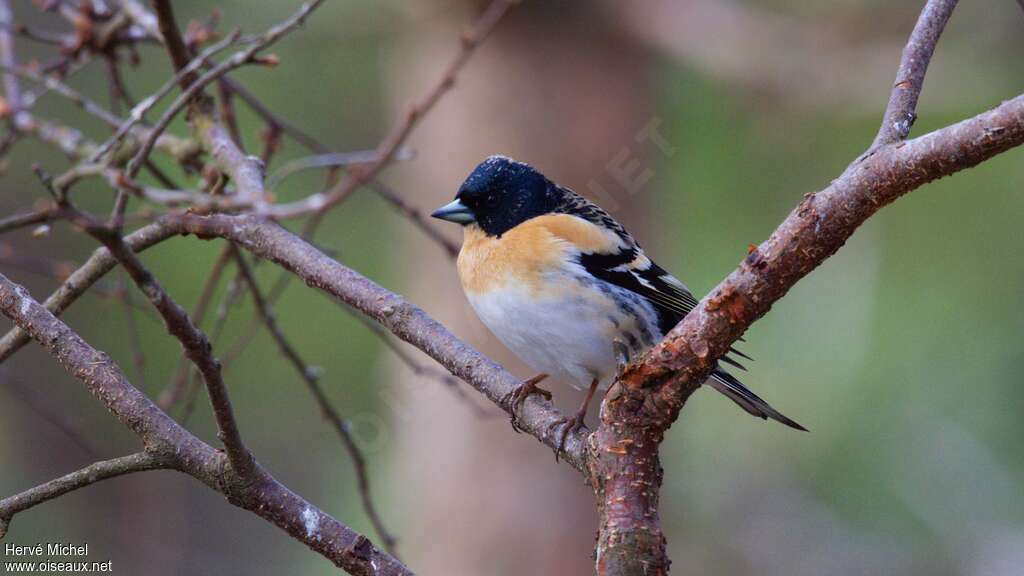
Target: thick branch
649, 394
815, 230
164, 438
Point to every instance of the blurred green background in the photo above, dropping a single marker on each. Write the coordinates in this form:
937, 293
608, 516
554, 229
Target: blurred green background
901, 354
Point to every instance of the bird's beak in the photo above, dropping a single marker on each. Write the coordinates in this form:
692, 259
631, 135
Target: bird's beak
455, 212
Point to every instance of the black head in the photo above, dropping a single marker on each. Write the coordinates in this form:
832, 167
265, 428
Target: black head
499, 194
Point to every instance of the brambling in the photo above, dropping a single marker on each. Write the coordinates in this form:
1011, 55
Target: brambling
565, 286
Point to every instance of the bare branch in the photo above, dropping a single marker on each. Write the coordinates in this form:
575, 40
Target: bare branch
29, 218
41, 404
392, 197
210, 133
138, 112
53, 84
311, 377
180, 149
197, 347
268, 116
164, 438
81, 279
901, 111
470, 40
406, 321
649, 394
329, 160
170, 396
173, 41
134, 337
138, 462
417, 368
12, 88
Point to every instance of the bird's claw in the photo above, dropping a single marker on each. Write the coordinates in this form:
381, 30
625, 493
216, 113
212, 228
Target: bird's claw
566, 426
514, 399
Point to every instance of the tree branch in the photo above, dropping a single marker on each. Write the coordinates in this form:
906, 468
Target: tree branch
87, 476
620, 460
195, 343
176, 387
12, 87
901, 111
139, 111
172, 40
164, 438
649, 394
207, 129
406, 321
311, 378
81, 279
470, 40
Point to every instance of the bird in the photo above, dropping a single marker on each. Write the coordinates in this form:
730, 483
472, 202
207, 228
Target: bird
566, 288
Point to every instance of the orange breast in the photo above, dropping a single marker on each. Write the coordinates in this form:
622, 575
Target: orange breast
523, 254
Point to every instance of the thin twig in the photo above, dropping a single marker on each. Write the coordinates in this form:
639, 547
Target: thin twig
41, 36
395, 200
172, 393
225, 98
12, 88
59, 270
195, 343
139, 111
134, 337
177, 147
30, 218
172, 41
82, 279
329, 160
106, 469
417, 368
236, 60
43, 406
118, 90
901, 112
59, 87
268, 116
311, 377
469, 41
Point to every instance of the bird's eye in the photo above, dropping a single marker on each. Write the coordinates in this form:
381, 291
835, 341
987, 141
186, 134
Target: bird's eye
491, 201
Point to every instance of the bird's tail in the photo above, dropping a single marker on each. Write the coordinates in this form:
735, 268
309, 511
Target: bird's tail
735, 390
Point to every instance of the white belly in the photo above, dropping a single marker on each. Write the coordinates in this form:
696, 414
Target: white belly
565, 336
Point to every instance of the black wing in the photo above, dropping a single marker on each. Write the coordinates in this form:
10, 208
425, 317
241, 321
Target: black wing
670, 297
628, 267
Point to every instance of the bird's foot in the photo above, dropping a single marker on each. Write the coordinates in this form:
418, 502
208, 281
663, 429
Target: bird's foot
514, 399
566, 426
